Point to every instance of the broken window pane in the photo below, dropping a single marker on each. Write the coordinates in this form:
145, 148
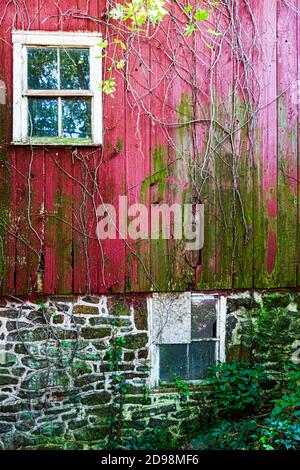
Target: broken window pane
173, 362
201, 356
42, 68
76, 118
74, 69
42, 117
204, 318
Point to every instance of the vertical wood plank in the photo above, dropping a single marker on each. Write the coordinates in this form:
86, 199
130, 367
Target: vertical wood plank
80, 240
297, 100
181, 159
58, 230
138, 277
287, 72
112, 169
86, 250
7, 160
223, 154
66, 10
243, 109
265, 182
49, 15
29, 193
81, 21
205, 273
30, 206
159, 156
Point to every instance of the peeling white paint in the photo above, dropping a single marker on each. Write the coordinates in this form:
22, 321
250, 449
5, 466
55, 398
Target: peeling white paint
2, 92
171, 318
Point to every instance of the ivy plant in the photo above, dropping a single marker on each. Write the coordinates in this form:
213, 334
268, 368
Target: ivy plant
235, 388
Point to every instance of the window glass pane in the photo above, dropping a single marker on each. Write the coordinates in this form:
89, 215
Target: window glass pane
201, 356
76, 118
172, 361
42, 68
74, 69
204, 319
42, 117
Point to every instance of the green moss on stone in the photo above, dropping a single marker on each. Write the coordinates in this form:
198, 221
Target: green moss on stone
85, 310
117, 307
272, 300
8, 380
80, 367
96, 398
95, 333
136, 341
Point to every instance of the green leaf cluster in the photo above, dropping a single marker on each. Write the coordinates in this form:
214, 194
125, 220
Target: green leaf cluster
276, 429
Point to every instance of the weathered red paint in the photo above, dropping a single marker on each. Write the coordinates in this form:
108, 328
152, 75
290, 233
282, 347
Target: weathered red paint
66, 186
272, 207
272, 250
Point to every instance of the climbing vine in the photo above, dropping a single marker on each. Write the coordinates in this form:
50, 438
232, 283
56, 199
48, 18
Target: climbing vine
119, 387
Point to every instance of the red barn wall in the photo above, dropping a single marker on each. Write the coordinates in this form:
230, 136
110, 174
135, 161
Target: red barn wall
49, 195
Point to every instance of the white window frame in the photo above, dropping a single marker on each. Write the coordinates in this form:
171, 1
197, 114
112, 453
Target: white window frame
24, 39
221, 307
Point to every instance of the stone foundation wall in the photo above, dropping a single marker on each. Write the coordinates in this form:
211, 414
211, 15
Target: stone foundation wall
264, 328
56, 382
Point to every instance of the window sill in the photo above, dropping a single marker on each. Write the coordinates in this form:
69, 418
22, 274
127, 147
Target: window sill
57, 143
170, 388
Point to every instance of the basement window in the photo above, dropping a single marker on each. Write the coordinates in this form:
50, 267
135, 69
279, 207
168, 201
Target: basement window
188, 336
57, 97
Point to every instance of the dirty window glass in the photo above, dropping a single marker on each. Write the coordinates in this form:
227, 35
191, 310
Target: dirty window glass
186, 361
42, 68
76, 118
204, 318
74, 69
201, 356
55, 72
43, 117
173, 362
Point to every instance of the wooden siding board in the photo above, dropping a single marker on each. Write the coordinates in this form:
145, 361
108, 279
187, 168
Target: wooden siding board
112, 184
49, 15
243, 108
265, 183
172, 149
223, 158
8, 222
29, 208
7, 160
159, 157
138, 165
92, 162
205, 273
181, 109
80, 236
86, 256
81, 15
298, 142
58, 230
112, 173
30, 186
287, 72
